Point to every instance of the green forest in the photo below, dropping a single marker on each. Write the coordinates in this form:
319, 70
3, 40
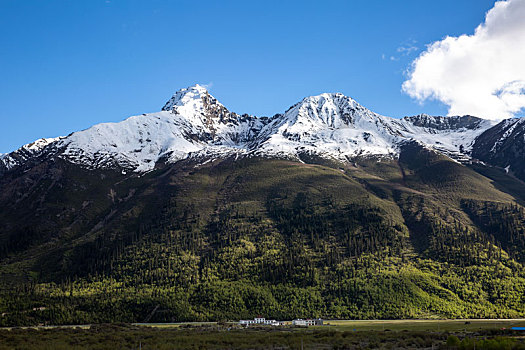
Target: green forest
418, 237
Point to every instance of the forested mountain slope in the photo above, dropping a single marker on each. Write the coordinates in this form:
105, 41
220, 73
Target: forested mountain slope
411, 233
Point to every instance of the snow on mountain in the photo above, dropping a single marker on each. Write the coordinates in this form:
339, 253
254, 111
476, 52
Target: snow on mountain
328, 124
337, 126
190, 122
137, 142
453, 136
26, 152
503, 146
508, 129
211, 120
193, 124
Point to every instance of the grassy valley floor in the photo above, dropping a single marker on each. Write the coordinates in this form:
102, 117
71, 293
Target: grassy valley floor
347, 334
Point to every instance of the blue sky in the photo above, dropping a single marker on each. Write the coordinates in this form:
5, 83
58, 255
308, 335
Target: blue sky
66, 65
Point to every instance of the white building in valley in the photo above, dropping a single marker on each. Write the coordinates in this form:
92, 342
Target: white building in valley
309, 322
261, 320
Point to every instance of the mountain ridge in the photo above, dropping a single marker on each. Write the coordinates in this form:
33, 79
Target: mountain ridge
193, 123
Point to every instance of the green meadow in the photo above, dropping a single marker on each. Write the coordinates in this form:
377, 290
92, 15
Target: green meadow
452, 334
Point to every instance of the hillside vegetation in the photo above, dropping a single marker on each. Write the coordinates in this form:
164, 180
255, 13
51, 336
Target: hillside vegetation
418, 237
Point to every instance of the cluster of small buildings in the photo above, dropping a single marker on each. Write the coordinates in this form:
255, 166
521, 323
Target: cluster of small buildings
297, 322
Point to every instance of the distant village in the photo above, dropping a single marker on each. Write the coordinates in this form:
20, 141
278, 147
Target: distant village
296, 322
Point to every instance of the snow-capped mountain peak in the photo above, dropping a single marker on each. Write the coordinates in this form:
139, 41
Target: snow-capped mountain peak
189, 97
331, 109
203, 111
329, 124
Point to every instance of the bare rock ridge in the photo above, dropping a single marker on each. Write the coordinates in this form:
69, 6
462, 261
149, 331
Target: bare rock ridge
193, 123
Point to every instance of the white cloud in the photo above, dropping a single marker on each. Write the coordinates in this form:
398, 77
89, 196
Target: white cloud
404, 50
481, 74
207, 86
407, 49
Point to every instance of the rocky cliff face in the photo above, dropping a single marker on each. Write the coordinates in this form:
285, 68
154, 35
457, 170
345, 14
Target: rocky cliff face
504, 146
